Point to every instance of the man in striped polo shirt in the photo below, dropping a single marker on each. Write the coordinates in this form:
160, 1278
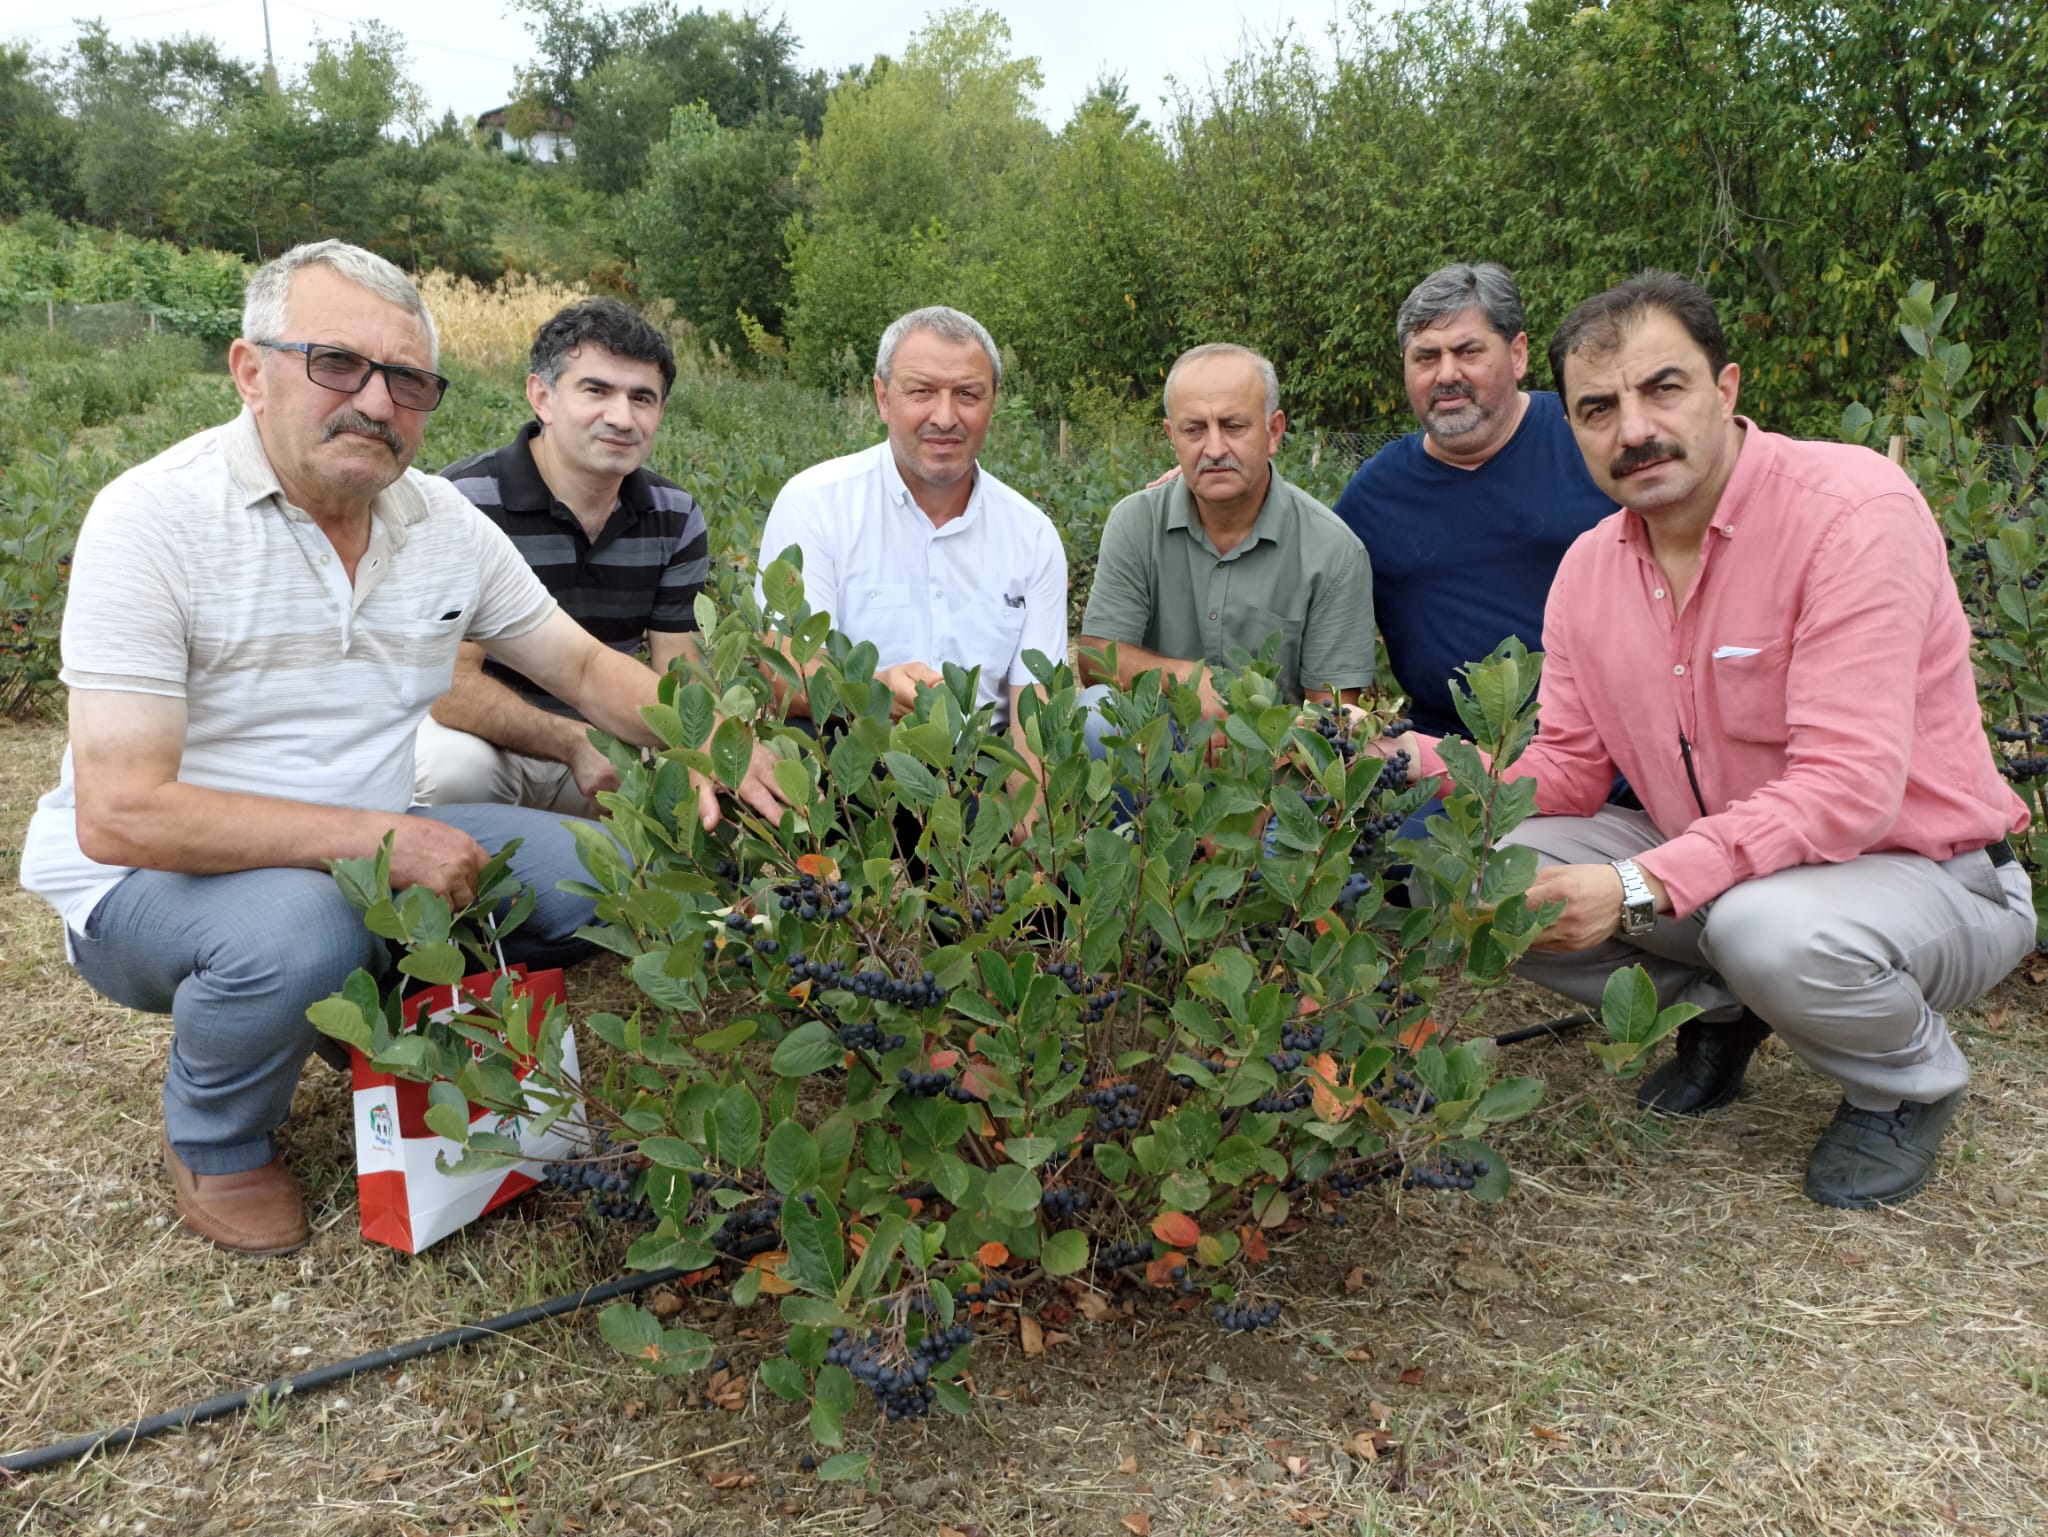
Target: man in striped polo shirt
623, 551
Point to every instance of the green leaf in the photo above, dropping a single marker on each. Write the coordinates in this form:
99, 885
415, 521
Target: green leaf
1064, 1252
1030, 1152
831, 1400
440, 964
785, 1379
810, 1048
1011, 1189
916, 786
732, 750
1510, 1099
844, 1466
792, 1159
630, 1330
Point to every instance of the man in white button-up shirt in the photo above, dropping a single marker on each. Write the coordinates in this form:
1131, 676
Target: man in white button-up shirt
912, 545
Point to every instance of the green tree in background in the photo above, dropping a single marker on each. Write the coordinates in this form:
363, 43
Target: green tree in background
37, 141
620, 74
706, 227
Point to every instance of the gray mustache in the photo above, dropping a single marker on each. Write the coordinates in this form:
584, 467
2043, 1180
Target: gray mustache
355, 421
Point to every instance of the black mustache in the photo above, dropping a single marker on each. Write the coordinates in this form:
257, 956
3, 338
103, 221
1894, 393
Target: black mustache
355, 421
1643, 453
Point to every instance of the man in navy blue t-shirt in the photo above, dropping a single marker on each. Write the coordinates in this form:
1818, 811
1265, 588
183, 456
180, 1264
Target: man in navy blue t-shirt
1466, 520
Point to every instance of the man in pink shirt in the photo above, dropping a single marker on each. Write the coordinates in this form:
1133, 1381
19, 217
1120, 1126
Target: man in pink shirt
1767, 642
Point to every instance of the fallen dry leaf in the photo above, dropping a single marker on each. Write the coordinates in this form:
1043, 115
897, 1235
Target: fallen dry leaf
1128, 1465
1354, 1280
1380, 1412
1138, 1523
666, 1305
1361, 1446
1297, 1465
770, 1265
1358, 1353
1545, 1433
1054, 1337
1411, 1377
1851, 1256
1194, 1442
1254, 1243
731, 1480
1094, 1307
1032, 1336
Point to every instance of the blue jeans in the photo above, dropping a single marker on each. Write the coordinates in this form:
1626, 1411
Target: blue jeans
237, 959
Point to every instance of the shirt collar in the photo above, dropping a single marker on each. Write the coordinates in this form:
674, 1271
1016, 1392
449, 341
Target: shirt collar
398, 506
896, 491
1181, 513
1758, 452
521, 488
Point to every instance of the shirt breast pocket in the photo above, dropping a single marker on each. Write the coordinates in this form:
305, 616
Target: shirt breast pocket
424, 658
1749, 692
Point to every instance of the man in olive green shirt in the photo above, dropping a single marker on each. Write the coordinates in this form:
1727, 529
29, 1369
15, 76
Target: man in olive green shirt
1228, 554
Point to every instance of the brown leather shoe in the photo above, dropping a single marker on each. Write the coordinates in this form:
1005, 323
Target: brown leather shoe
257, 1212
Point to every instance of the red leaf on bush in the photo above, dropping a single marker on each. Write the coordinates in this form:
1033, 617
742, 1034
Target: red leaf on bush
1177, 1229
941, 1060
1420, 1034
817, 864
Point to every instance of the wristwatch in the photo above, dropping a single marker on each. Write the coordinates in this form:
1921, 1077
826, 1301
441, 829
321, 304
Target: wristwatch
1638, 907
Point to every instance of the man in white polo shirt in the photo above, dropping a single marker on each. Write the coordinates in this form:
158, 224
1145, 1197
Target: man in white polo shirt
913, 546
258, 619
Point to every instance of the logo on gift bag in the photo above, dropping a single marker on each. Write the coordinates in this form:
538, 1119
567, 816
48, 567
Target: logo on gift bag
508, 1126
381, 1136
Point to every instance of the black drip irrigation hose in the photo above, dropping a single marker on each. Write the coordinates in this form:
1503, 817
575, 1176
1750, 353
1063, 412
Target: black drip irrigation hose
377, 1360
1563, 1025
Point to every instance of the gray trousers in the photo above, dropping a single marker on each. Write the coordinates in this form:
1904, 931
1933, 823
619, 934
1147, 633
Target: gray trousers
237, 959
1850, 964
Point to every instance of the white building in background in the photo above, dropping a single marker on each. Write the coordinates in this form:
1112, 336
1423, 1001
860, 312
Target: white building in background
554, 142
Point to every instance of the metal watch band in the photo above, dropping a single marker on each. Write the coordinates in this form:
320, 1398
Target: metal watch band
1638, 907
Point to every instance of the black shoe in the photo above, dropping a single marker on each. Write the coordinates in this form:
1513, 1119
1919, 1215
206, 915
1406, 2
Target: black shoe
1872, 1158
1707, 1068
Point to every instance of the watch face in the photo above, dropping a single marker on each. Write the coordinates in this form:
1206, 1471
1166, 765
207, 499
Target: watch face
1638, 918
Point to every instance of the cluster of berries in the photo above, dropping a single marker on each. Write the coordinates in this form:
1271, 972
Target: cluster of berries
1063, 1201
1182, 1281
1101, 997
1393, 774
1114, 1101
1244, 1318
978, 912
901, 1392
2026, 766
1447, 1174
1397, 996
1119, 1255
824, 973
861, 1036
919, 992
990, 1289
1296, 1040
1349, 1182
931, 1085
608, 1179
746, 1223
1405, 1092
1299, 1097
814, 900
1332, 732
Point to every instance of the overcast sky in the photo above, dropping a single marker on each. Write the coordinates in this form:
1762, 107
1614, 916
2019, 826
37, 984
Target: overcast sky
465, 52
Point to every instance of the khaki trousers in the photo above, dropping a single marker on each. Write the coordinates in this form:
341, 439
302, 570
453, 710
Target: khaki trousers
1852, 965
454, 768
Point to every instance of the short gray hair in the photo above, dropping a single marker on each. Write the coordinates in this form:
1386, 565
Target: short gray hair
948, 325
1488, 287
263, 302
1223, 350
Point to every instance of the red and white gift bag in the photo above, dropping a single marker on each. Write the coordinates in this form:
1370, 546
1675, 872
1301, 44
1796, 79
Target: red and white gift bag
407, 1202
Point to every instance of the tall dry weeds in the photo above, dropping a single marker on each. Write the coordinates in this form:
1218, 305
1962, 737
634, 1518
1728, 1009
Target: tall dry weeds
491, 325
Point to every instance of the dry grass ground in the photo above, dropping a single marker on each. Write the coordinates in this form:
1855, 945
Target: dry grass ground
1655, 1334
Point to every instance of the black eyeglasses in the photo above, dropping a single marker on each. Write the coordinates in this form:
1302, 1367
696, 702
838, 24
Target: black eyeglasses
345, 372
